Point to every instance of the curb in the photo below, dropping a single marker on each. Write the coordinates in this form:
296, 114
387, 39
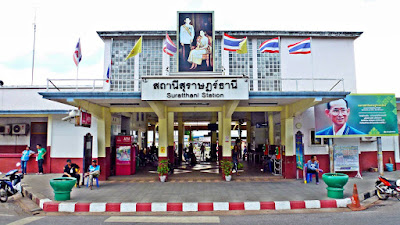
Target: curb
367, 195
51, 206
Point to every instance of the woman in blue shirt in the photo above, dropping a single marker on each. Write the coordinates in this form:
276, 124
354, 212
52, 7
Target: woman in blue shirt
25, 157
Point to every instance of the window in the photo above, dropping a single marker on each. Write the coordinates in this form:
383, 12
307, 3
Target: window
268, 70
317, 141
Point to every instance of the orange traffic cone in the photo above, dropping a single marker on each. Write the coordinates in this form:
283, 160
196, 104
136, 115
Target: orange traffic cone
355, 201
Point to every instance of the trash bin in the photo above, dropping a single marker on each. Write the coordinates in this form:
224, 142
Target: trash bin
389, 167
62, 187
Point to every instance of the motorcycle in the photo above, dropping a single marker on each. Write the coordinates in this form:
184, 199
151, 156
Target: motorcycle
386, 188
10, 184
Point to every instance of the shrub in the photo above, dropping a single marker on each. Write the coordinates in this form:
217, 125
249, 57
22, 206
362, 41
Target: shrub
162, 168
226, 167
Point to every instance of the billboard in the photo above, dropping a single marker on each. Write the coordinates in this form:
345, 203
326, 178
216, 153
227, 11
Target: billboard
345, 158
195, 41
358, 115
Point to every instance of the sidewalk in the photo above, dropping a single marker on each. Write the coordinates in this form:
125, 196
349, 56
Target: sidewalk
126, 191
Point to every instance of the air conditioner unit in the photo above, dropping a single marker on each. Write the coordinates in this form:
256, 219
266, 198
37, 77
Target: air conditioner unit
368, 139
18, 129
5, 129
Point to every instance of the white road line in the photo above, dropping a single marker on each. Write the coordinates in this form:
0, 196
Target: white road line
5, 215
163, 219
26, 220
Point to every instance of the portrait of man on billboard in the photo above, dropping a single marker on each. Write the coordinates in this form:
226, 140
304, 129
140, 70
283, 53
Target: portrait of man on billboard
338, 112
195, 41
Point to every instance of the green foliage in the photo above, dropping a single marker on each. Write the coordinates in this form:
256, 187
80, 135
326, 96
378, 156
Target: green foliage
226, 167
162, 168
240, 166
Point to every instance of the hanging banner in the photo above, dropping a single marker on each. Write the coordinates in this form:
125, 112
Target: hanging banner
345, 158
358, 115
299, 150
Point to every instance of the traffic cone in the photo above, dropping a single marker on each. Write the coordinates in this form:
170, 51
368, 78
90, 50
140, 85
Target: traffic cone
355, 201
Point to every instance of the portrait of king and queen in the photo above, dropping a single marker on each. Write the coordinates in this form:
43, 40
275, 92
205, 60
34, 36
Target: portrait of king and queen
195, 41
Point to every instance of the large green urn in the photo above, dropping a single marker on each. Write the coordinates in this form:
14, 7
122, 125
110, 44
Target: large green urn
62, 187
335, 182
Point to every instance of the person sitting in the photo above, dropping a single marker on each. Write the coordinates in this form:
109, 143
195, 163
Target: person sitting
94, 171
71, 170
313, 167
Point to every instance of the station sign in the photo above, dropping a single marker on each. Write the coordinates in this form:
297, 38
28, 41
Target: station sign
198, 88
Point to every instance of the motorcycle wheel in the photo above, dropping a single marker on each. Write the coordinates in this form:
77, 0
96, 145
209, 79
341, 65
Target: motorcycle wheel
398, 196
382, 195
3, 195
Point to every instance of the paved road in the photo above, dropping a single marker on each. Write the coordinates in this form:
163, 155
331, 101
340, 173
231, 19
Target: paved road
384, 212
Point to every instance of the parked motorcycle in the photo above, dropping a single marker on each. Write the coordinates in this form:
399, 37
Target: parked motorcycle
386, 188
10, 184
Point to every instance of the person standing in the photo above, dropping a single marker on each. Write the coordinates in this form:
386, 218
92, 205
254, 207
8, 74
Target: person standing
186, 36
40, 157
235, 159
202, 149
25, 158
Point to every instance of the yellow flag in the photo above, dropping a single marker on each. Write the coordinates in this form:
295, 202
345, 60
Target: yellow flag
242, 47
136, 49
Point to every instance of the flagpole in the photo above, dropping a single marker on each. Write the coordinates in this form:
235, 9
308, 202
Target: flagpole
248, 61
222, 53
111, 49
77, 69
34, 43
312, 65
280, 61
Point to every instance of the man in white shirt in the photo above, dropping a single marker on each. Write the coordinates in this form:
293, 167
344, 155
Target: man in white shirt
338, 112
186, 36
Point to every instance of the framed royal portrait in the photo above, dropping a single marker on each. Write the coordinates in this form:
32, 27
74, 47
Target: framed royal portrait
195, 41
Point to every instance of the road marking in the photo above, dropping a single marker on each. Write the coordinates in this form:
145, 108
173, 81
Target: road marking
163, 219
5, 215
26, 220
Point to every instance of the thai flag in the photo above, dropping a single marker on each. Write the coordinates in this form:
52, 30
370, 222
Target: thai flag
302, 47
78, 53
231, 43
271, 46
169, 46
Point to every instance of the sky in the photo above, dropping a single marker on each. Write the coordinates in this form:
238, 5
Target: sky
59, 25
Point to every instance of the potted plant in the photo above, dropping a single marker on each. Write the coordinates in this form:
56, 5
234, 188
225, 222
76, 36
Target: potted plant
226, 167
163, 170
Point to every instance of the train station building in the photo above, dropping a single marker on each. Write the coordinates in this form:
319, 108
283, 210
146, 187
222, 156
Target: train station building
257, 99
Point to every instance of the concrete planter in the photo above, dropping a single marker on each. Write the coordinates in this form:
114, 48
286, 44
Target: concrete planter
335, 182
62, 187
228, 178
163, 178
